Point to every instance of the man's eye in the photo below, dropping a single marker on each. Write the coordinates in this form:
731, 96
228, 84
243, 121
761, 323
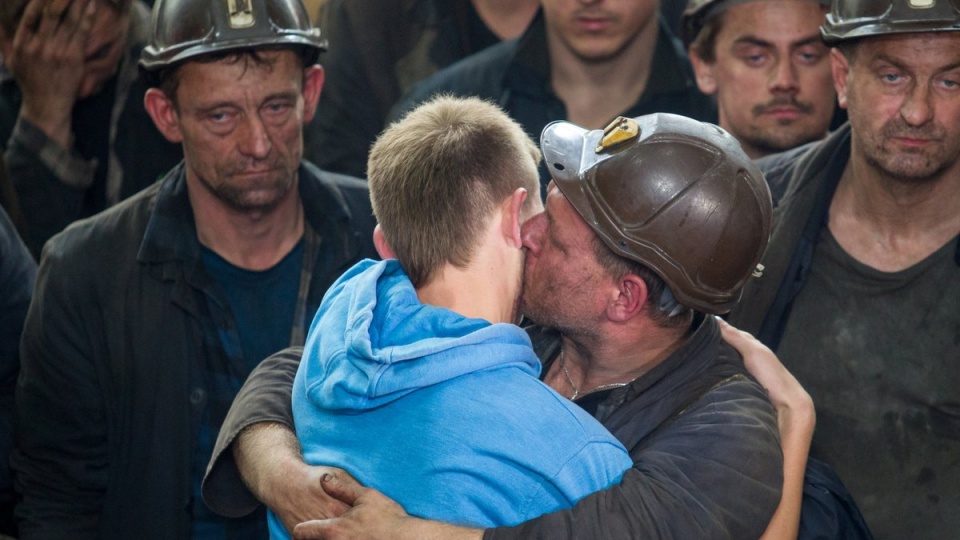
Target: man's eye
808, 57
950, 84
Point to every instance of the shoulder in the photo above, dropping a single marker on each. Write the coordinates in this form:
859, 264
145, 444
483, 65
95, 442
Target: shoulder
555, 436
480, 74
119, 228
778, 169
730, 424
348, 194
333, 181
794, 169
735, 400
538, 408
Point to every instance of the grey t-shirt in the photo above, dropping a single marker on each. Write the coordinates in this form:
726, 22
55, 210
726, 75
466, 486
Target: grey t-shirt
880, 354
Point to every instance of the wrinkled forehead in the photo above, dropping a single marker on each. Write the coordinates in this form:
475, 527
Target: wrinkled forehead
933, 51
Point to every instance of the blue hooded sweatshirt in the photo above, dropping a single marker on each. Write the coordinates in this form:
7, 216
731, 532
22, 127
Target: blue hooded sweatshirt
442, 413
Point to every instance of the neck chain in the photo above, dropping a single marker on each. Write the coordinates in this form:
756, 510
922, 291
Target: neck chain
576, 391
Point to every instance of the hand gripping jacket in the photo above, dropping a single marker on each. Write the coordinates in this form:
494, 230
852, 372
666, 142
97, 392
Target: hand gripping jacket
676, 195
182, 29
853, 19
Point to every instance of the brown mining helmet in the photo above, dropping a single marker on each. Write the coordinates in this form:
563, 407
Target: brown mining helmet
676, 195
854, 19
183, 29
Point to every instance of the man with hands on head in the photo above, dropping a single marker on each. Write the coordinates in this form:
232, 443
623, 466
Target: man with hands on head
73, 127
621, 268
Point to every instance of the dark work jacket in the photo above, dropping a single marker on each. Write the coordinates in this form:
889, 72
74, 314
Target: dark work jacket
802, 182
515, 74
115, 340
714, 471
705, 448
18, 273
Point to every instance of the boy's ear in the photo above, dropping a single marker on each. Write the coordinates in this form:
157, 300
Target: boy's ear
380, 242
512, 217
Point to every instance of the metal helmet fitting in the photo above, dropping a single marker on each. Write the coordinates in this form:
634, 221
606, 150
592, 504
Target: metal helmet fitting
853, 19
697, 12
676, 195
183, 29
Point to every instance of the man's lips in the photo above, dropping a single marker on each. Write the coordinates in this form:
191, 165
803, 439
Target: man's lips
912, 142
254, 173
783, 113
593, 23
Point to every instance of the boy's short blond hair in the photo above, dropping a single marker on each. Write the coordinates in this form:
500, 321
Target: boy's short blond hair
438, 174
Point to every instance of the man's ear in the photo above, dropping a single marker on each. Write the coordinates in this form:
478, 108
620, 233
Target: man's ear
380, 243
629, 299
164, 114
512, 220
312, 86
840, 67
703, 70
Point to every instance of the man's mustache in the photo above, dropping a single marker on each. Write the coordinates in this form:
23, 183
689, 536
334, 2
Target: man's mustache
897, 128
781, 102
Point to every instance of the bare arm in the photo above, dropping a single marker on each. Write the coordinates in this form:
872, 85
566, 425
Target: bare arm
375, 516
257, 456
795, 418
268, 456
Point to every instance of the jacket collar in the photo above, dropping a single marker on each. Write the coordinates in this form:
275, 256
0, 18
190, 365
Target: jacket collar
171, 232
702, 344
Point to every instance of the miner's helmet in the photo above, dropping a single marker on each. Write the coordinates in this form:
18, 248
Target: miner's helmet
676, 195
184, 29
697, 13
854, 19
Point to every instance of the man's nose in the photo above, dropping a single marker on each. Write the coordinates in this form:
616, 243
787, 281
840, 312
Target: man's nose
783, 77
918, 105
254, 138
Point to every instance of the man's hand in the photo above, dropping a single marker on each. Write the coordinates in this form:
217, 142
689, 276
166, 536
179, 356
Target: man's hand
268, 456
47, 61
374, 516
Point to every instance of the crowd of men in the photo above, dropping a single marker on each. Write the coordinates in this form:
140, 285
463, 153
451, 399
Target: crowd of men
195, 320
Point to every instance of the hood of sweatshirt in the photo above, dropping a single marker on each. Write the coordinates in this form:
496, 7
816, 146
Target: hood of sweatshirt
373, 341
